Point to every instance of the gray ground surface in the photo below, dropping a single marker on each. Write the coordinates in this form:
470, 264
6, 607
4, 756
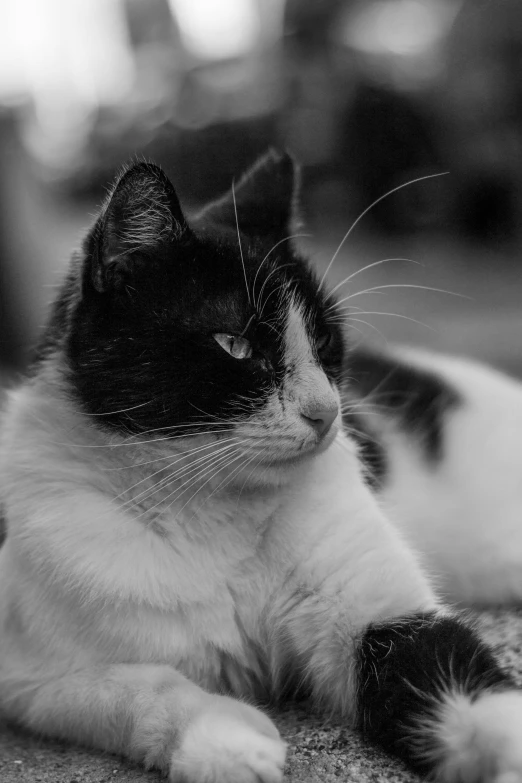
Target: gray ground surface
318, 752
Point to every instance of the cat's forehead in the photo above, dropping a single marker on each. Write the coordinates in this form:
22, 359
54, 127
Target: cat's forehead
224, 276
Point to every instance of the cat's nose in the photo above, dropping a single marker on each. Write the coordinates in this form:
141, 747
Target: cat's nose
321, 419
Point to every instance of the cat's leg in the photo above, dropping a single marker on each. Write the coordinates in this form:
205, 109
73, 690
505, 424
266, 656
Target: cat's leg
77, 659
151, 714
361, 627
429, 690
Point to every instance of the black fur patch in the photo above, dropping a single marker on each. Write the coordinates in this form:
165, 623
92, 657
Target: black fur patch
403, 668
417, 398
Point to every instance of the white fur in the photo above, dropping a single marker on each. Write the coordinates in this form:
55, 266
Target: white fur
465, 513
241, 746
477, 741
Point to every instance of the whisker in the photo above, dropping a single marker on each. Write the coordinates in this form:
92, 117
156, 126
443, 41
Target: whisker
380, 288
286, 239
219, 463
180, 458
285, 285
239, 243
239, 456
267, 278
369, 266
365, 212
372, 326
398, 315
223, 463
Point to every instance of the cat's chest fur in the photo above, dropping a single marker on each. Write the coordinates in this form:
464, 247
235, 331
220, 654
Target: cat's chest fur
186, 590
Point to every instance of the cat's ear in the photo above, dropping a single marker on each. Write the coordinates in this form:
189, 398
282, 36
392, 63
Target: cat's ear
140, 218
265, 198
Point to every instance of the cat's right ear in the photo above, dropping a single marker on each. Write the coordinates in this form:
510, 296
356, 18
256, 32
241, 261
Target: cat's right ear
140, 219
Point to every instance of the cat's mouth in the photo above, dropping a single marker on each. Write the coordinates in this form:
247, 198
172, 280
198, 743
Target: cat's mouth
304, 452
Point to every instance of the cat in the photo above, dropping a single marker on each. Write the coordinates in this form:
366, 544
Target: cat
202, 515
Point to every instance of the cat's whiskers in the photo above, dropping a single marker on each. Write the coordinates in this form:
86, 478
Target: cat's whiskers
187, 469
285, 239
364, 408
228, 479
224, 482
212, 416
239, 243
286, 285
381, 288
366, 323
266, 468
398, 315
365, 269
164, 457
217, 466
122, 410
179, 458
186, 426
136, 444
365, 212
265, 283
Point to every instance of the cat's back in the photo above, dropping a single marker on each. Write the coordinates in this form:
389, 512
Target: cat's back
448, 433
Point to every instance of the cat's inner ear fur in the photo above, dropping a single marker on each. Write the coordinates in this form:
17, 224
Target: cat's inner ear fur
263, 202
141, 216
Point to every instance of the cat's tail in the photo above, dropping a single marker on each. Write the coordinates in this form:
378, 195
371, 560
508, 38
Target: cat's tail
431, 692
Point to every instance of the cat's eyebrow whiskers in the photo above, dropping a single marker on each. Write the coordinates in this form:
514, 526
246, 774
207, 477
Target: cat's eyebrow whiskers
285, 239
267, 278
381, 288
396, 315
365, 269
239, 243
366, 323
365, 212
284, 285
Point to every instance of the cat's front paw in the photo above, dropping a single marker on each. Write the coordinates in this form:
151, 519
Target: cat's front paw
229, 742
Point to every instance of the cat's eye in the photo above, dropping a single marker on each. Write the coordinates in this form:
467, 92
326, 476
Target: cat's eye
323, 341
236, 346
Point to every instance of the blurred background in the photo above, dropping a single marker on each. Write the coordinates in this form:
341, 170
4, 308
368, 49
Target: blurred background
366, 94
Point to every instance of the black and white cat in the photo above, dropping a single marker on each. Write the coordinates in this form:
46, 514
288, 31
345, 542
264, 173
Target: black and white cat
202, 512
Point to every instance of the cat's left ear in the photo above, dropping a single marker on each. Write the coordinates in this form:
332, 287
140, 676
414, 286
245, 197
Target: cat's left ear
141, 218
265, 199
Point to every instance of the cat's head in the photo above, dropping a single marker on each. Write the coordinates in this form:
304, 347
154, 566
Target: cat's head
173, 327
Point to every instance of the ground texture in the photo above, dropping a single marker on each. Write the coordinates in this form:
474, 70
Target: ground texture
318, 752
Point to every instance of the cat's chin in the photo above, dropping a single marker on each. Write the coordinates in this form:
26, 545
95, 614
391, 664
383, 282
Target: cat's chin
278, 468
